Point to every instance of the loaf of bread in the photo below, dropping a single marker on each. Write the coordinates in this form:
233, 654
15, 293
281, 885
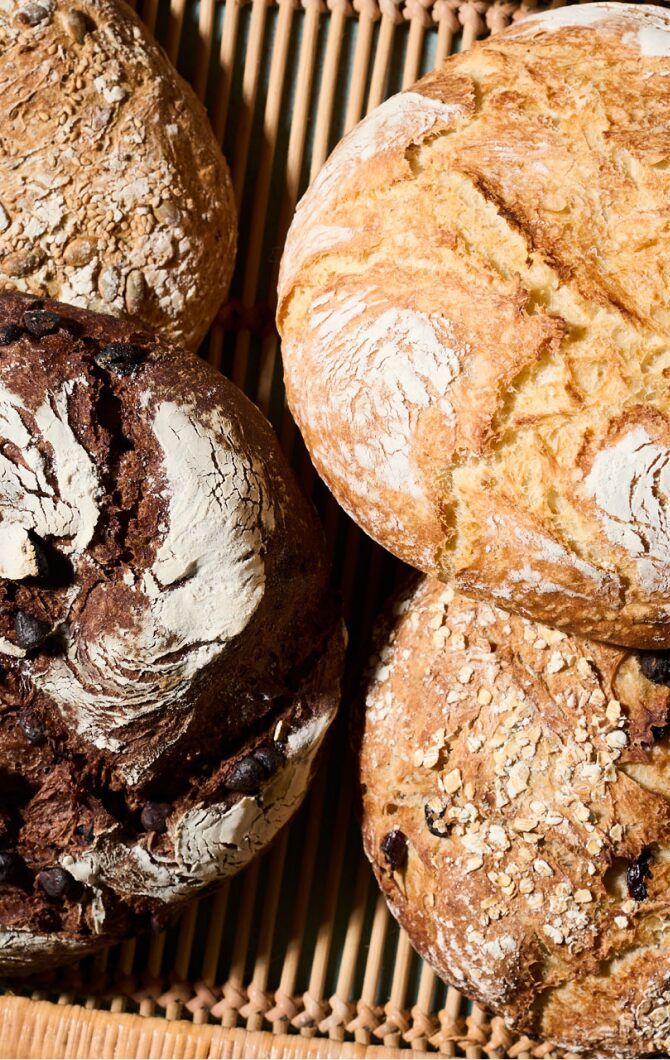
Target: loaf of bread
114, 194
475, 309
169, 652
516, 810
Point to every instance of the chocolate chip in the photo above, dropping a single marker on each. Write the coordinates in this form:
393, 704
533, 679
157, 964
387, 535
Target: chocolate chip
122, 358
638, 872
270, 757
9, 333
437, 826
394, 848
655, 666
85, 831
153, 816
56, 882
31, 632
32, 728
660, 732
41, 322
246, 776
12, 867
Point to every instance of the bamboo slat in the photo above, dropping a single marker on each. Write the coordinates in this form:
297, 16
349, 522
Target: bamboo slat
51, 1032
299, 956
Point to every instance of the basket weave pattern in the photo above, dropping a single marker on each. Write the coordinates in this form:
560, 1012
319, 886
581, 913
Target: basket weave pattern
301, 944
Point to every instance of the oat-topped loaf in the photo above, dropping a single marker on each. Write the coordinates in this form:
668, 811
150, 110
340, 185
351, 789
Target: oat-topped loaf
113, 192
516, 810
476, 316
169, 652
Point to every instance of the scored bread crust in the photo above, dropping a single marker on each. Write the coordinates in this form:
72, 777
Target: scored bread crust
170, 652
114, 194
474, 309
535, 756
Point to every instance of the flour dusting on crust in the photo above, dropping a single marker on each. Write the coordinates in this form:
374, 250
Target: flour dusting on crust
630, 483
523, 774
201, 591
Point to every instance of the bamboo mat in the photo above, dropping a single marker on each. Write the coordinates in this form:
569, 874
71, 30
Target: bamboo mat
298, 957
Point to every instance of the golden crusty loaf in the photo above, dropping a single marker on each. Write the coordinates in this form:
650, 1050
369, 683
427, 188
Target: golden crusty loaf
114, 194
475, 308
516, 809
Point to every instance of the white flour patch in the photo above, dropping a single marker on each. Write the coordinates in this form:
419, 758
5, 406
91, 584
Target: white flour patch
654, 40
630, 484
379, 367
205, 584
27, 498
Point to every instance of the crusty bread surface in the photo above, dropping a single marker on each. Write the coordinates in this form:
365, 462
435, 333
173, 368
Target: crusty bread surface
170, 653
475, 317
114, 195
515, 804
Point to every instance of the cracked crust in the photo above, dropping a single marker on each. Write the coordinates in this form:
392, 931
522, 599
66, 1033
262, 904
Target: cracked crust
114, 195
474, 309
528, 772
170, 654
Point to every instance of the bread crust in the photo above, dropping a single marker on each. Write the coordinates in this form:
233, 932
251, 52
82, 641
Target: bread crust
475, 317
527, 771
170, 653
114, 195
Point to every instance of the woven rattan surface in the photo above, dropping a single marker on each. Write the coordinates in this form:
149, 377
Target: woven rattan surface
299, 956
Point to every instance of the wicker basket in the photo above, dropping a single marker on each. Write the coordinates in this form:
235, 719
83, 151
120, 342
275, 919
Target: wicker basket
298, 957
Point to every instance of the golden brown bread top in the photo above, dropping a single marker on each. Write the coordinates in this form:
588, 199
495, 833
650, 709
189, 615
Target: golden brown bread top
114, 194
529, 774
475, 313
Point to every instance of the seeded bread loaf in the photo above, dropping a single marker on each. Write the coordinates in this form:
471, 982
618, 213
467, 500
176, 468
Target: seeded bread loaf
169, 652
475, 315
114, 194
516, 810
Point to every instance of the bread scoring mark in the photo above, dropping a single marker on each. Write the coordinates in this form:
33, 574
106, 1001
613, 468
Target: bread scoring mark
208, 843
405, 118
28, 500
541, 550
313, 240
630, 484
207, 580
